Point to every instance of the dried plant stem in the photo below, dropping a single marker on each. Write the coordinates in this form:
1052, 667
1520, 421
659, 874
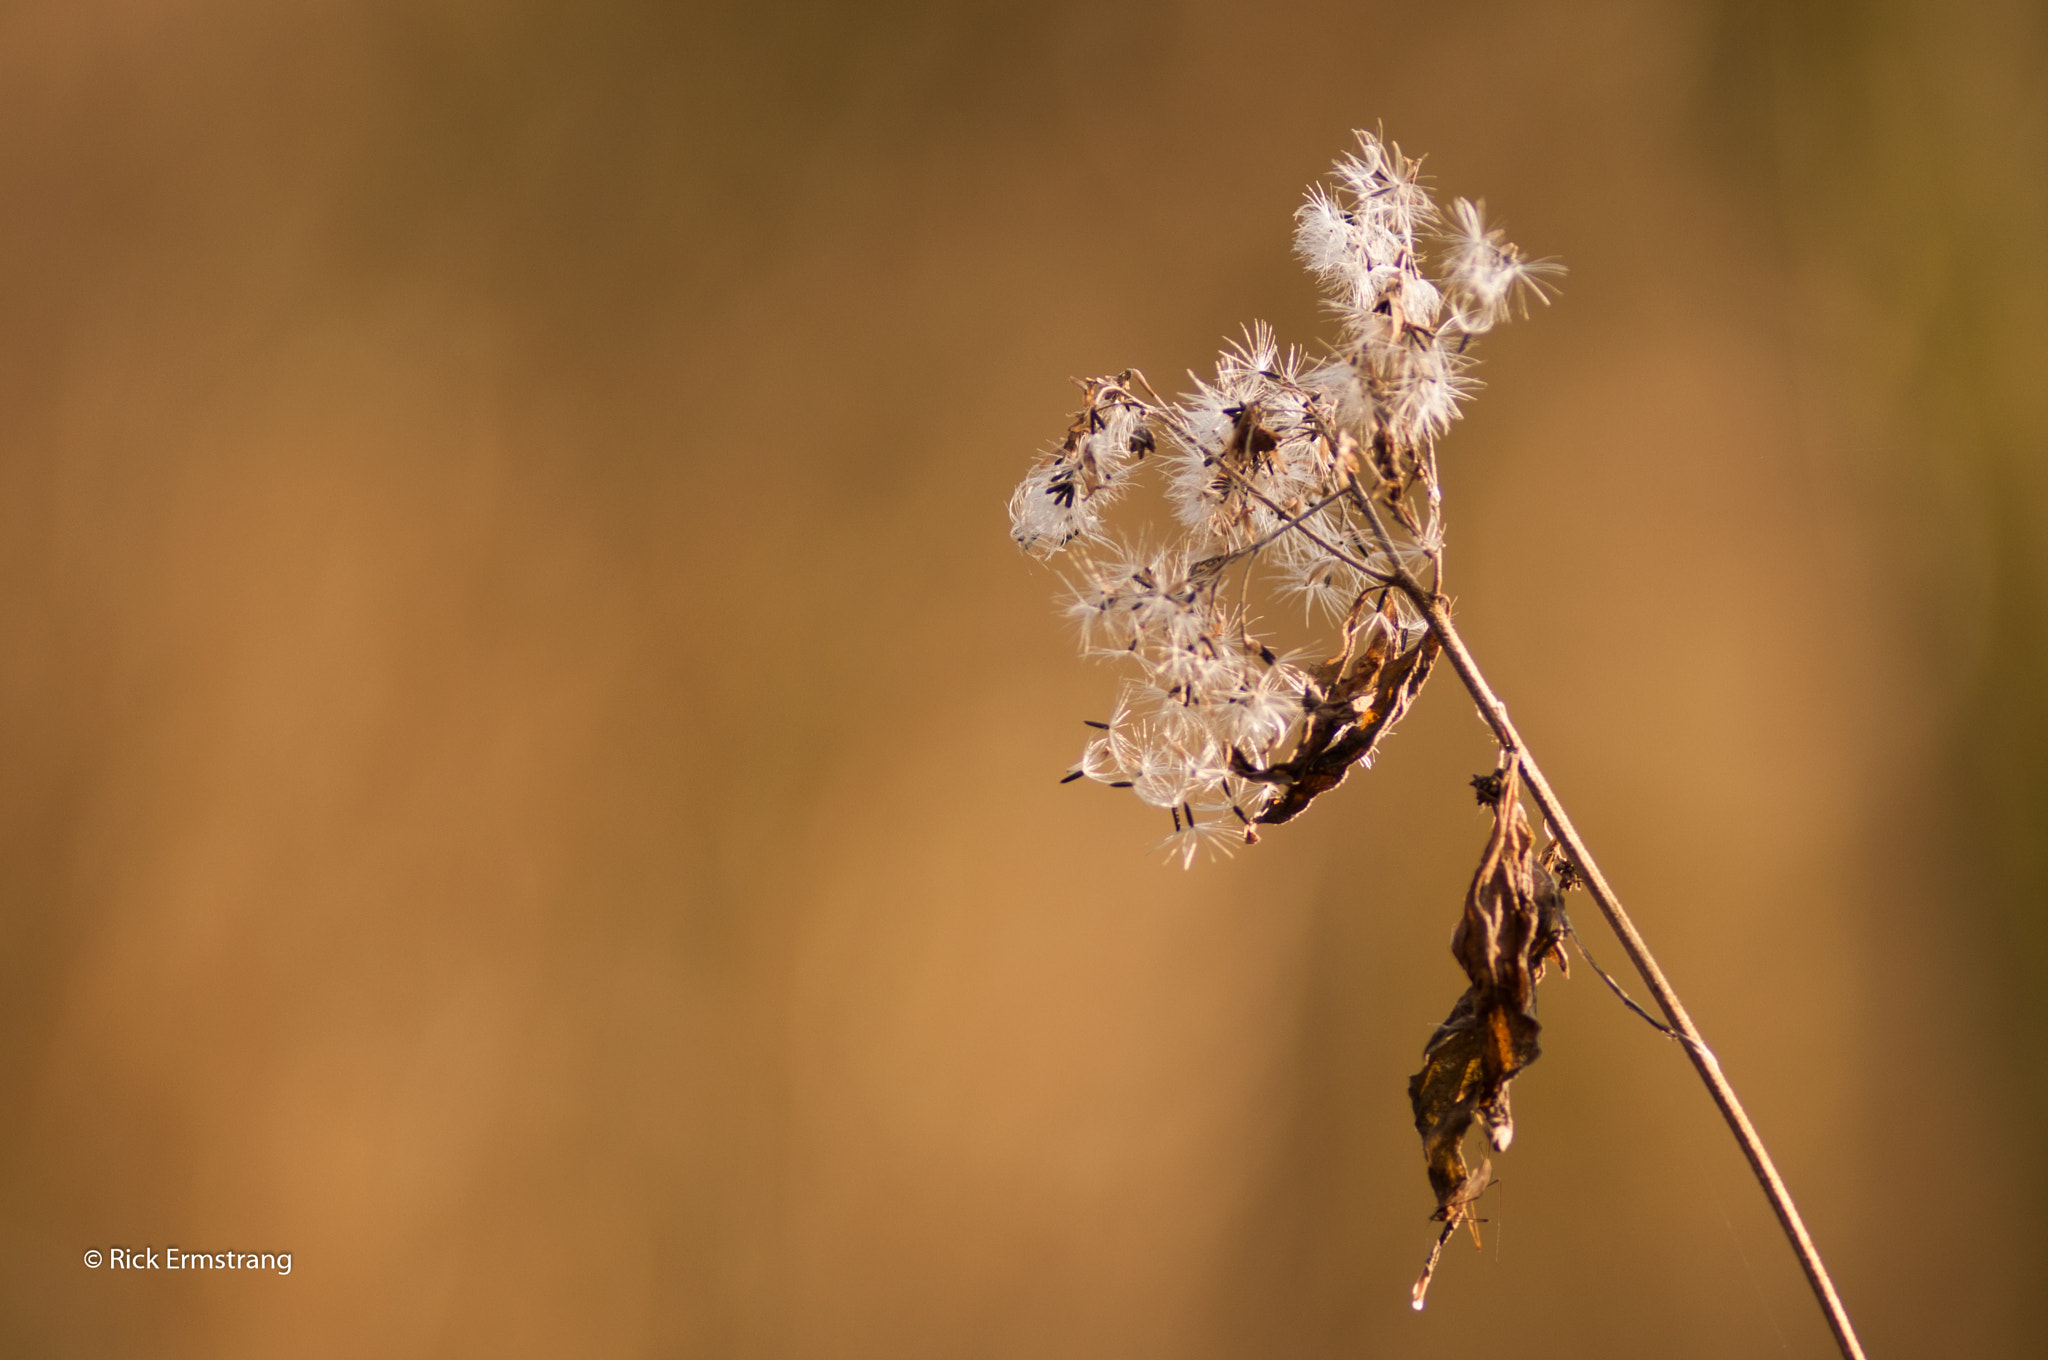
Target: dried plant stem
1709, 1068
1275, 435
1434, 609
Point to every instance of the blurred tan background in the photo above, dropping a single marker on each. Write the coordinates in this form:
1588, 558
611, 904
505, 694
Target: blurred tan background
527, 757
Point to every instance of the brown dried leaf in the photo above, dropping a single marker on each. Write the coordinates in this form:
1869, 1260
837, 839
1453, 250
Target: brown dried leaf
1353, 701
1513, 921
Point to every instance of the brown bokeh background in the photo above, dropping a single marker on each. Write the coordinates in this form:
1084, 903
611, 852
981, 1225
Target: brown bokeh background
529, 759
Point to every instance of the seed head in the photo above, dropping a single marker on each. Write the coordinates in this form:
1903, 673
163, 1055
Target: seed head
1311, 482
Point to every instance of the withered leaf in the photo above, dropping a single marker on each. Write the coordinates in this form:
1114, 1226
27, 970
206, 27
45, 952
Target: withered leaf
1352, 702
1512, 923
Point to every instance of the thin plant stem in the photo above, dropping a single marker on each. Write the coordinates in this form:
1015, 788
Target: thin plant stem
1399, 384
1681, 1026
1703, 1059
1435, 611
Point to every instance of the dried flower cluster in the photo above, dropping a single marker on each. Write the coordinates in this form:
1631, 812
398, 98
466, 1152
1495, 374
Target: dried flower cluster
1317, 480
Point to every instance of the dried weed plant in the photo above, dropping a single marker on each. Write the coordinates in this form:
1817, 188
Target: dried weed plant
1315, 481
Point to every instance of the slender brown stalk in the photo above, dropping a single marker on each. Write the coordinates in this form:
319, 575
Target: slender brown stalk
1496, 715
1271, 428
1681, 1026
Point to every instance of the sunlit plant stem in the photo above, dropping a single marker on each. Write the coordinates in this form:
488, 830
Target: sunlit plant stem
1318, 480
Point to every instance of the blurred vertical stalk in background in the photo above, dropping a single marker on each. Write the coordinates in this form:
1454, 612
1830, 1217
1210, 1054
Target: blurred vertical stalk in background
1904, 147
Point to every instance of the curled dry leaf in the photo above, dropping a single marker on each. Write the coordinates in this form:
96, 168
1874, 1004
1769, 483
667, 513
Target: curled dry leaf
1351, 701
1512, 924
